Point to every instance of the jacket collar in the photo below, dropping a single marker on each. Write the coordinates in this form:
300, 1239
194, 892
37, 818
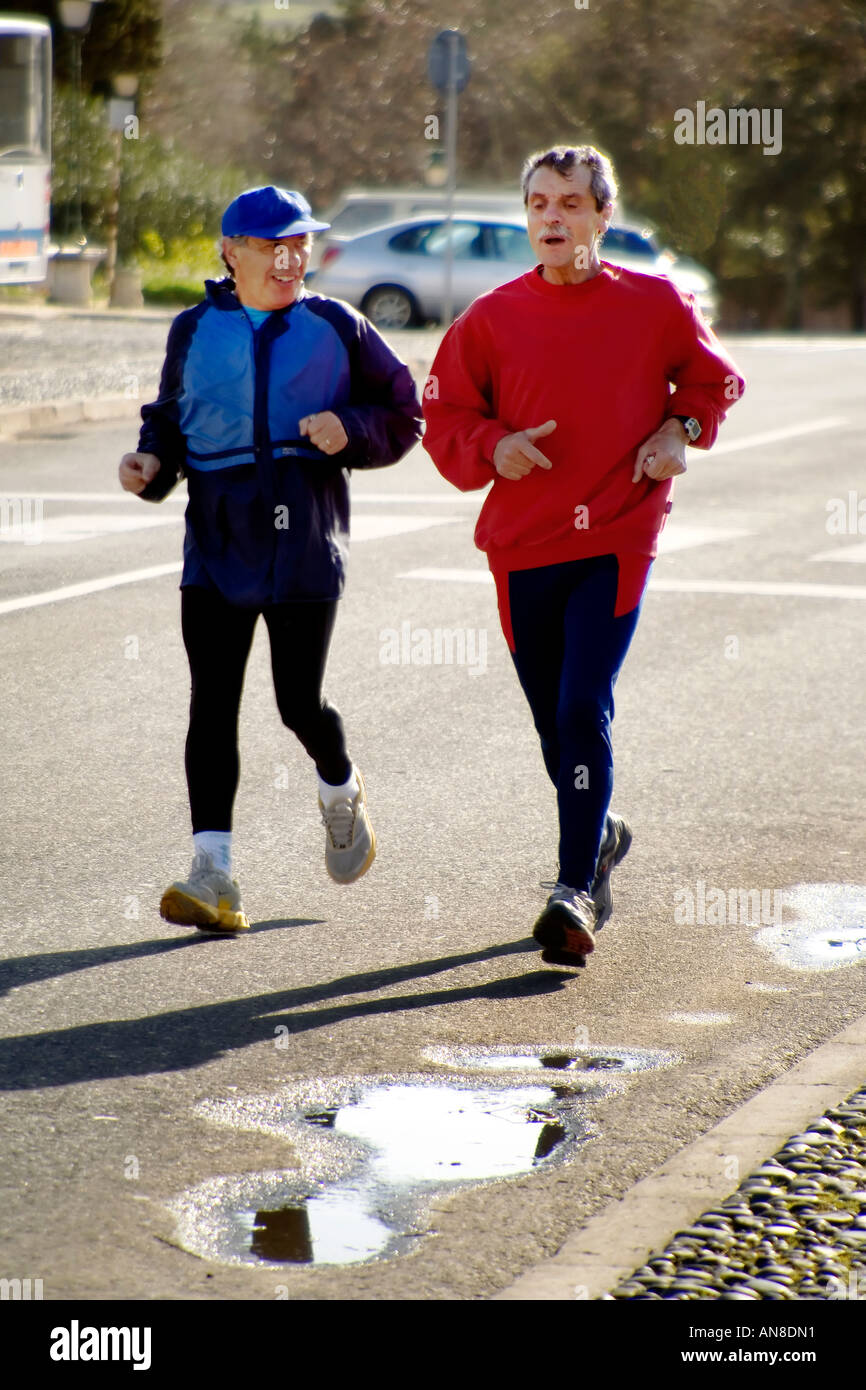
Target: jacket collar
221, 293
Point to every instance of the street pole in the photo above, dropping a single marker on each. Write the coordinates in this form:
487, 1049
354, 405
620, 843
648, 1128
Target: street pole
77, 45
451, 157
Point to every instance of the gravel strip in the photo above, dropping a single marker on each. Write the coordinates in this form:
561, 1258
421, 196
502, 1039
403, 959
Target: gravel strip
794, 1229
137, 377
82, 358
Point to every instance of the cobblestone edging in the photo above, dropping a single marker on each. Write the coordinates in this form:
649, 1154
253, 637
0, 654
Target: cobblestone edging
794, 1229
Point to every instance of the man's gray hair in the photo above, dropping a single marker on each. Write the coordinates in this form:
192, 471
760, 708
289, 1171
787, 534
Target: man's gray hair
235, 241
564, 158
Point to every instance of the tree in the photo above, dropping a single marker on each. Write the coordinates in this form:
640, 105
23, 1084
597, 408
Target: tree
124, 36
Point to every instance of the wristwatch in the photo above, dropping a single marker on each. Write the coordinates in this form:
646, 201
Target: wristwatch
691, 426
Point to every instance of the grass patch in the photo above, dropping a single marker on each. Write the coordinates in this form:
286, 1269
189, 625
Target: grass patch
175, 272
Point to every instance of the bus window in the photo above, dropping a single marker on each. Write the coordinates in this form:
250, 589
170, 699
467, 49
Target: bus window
25, 149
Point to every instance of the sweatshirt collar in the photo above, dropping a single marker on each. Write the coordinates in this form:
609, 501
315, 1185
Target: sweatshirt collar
569, 294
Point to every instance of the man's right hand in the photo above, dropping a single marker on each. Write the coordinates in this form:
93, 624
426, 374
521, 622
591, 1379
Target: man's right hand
516, 454
137, 470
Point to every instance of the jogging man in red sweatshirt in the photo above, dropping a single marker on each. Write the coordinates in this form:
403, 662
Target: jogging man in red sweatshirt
557, 388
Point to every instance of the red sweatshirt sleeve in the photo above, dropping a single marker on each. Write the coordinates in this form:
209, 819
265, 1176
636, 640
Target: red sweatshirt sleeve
707, 380
462, 430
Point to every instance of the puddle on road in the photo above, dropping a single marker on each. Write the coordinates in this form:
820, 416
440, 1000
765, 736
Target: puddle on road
371, 1157
593, 1068
373, 1152
824, 927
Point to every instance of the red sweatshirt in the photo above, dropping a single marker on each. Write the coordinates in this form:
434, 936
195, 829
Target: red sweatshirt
599, 358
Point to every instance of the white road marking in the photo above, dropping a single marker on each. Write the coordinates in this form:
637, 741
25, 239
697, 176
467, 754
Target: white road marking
373, 527
803, 345
117, 496
450, 576
754, 441
673, 537
844, 554
59, 530
364, 528
680, 537
88, 586
449, 497
757, 588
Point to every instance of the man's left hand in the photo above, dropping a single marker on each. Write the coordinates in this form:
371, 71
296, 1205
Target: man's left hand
325, 431
663, 455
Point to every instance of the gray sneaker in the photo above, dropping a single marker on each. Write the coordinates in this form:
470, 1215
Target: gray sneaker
566, 927
208, 899
350, 845
615, 845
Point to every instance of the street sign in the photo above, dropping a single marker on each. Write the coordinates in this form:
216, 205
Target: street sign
438, 56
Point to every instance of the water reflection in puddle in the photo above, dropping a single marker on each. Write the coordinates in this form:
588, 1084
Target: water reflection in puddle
582, 1060
824, 927
374, 1151
435, 1134
369, 1161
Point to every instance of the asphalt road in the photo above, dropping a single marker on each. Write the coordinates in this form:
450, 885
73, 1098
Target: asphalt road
738, 743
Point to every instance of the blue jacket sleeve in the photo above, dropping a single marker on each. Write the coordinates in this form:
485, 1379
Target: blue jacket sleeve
383, 419
160, 432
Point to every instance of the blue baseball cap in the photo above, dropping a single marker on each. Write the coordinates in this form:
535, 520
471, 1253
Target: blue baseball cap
270, 212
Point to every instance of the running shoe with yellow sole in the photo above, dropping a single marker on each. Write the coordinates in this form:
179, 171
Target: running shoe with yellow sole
350, 845
208, 899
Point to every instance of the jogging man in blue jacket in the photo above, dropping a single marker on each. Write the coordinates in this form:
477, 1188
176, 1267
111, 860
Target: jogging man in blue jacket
269, 396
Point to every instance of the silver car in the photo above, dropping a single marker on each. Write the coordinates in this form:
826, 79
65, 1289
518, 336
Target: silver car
395, 273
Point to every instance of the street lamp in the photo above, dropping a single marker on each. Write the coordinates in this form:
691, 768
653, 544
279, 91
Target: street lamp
75, 16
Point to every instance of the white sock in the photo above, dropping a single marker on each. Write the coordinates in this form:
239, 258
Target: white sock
216, 843
329, 794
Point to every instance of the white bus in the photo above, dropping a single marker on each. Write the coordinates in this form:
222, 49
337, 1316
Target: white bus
25, 149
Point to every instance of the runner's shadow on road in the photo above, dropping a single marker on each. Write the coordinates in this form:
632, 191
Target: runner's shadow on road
30, 970
185, 1038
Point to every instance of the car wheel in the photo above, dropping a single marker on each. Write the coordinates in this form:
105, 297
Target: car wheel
388, 306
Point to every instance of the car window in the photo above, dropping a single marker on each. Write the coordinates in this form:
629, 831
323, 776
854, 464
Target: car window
510, 244
430, 239
411, 240
468, 240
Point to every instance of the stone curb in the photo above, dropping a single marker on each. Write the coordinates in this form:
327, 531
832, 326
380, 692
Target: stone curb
61, 311
17, 419
629, 1230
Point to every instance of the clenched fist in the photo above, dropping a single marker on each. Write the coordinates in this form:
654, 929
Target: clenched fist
325, 431
137, 470
663, 455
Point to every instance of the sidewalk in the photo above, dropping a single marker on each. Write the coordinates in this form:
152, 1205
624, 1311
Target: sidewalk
794, 1228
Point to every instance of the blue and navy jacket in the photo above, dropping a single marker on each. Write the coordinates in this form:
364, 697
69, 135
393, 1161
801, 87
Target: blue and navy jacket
268, 512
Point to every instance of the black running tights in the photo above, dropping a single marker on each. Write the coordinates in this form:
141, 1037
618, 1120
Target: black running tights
218, 636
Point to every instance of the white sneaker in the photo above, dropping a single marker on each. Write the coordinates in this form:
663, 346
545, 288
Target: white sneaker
350, 845
208, 899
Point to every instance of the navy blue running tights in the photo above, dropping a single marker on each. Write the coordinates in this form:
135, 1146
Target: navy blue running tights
568, 651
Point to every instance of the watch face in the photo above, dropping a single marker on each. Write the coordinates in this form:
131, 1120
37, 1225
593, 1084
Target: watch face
692, 428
